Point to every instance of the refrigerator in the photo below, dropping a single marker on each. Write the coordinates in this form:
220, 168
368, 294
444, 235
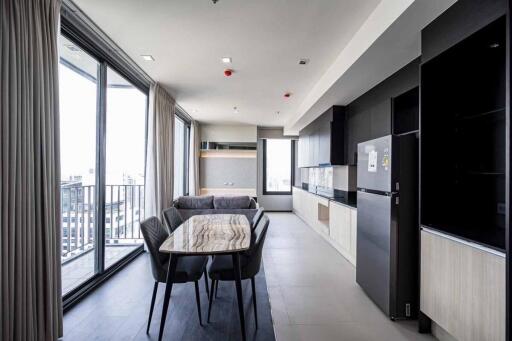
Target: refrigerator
388, 225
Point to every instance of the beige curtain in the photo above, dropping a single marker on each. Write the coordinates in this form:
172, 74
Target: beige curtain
159, 152
30, 283
194, 185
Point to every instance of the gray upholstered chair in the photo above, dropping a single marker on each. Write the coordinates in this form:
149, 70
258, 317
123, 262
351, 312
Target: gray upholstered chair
221, 268
172, 218
256, 219
188, 269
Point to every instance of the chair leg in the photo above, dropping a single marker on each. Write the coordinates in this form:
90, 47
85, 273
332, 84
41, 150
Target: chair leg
206, 284
216, 288
211, 300
198, 301
254, 301
155, 288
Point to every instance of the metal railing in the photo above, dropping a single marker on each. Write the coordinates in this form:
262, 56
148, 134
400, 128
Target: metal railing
124, 209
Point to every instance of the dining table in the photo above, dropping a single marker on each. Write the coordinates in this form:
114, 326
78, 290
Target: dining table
210, 234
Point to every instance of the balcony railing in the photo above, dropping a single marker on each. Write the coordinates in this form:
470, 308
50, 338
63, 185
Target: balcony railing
124, 209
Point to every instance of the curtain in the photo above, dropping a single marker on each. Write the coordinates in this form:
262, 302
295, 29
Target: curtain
194, 185
159, 152
30, 283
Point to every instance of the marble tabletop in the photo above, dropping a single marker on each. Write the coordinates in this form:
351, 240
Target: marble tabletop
210, 233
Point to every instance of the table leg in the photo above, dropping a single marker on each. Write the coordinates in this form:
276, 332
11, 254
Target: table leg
168, 288
238, 283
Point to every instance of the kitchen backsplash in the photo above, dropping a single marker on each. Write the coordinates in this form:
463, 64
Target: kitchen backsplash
336, 177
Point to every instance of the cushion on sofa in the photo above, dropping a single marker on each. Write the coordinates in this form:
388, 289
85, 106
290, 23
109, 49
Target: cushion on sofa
195, 202
234, 202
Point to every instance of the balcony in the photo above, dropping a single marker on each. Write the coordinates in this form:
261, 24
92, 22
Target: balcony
124, 209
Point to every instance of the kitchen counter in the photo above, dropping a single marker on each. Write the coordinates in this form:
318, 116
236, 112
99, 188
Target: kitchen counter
347, 201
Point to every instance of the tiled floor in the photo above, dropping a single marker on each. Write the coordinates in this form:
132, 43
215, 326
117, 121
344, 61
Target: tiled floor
82, 268
313, 293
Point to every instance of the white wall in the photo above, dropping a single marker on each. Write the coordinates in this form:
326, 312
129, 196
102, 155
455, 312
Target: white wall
228, 133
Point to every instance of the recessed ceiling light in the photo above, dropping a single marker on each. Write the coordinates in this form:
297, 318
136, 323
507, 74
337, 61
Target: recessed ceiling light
494, 45
148, 57
226, 60
235, 109
303, 61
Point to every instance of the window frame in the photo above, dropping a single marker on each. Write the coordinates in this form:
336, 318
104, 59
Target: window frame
178, 115
292, 170
84, 36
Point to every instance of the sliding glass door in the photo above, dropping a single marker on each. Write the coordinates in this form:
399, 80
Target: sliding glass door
102, 141
78, 77
124, 173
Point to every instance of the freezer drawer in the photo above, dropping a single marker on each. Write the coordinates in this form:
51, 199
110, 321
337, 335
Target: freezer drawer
373, 271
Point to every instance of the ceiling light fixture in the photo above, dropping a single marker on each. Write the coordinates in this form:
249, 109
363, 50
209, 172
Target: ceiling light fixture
235, 109
303, 61
226, 60
148, 57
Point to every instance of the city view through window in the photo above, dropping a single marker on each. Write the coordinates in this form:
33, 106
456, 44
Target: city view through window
124, 165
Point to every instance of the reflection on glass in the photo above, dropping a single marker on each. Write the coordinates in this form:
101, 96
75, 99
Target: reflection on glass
124, 172
180, 152
278, 165
78, 73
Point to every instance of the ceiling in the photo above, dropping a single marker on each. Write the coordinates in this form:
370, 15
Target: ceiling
265, 39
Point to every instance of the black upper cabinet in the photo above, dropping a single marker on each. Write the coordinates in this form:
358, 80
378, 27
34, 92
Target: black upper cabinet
321, 143
406, 108
463, 138
359, 130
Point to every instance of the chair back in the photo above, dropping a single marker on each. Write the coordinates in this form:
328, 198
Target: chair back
172, 218
154, 235
256, 251
256, 218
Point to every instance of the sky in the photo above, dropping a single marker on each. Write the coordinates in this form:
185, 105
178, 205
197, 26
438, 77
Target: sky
126, 113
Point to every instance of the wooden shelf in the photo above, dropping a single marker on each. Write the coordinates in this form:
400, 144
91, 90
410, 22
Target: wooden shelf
229, 153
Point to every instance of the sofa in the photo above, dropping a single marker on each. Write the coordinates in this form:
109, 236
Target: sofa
189, 206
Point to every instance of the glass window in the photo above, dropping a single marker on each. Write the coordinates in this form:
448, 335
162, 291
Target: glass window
125, 164
277, 176
181, 145
78, 74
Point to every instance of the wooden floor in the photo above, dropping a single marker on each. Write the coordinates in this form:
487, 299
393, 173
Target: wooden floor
118, 310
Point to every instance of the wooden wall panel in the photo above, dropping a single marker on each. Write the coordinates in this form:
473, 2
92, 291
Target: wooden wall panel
462, 288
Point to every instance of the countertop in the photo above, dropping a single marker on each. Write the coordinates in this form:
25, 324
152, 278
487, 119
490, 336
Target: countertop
352, 203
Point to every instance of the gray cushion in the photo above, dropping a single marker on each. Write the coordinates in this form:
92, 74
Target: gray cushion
191, 202
235, 202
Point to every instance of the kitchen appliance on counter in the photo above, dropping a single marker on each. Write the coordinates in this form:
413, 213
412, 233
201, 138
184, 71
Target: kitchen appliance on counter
387, 223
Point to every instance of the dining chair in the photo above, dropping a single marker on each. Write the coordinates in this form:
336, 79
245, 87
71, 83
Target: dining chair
221, 268
172, 218
188, 269
256, 219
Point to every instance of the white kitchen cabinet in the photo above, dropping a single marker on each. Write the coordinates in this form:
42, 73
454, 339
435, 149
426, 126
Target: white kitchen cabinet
353, 234
313, 209
343, 228
337, 223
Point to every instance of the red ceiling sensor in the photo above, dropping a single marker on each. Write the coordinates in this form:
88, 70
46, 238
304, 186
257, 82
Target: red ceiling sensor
228, 72
287, 95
